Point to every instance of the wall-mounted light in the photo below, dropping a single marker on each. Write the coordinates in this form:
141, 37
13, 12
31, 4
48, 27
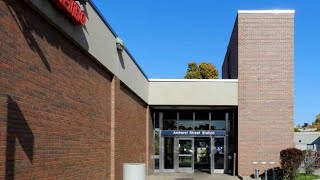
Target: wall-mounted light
119, 43
82, 2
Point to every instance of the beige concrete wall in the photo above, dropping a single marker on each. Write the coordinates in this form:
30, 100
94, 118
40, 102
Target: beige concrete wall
129, 74
193, 92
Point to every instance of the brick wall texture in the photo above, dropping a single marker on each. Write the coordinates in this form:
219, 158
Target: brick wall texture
3, 132
58, 106
230, 63
55, 106
130, 129
266, 88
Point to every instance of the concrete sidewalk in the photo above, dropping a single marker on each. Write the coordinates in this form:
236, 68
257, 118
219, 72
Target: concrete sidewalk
190, 176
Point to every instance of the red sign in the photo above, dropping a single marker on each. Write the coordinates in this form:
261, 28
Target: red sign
73, 10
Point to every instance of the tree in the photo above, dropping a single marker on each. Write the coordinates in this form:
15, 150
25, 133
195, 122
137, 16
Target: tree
202, 71
316, 122
193, 71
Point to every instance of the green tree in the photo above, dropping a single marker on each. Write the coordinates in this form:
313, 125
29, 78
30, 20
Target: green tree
202, 71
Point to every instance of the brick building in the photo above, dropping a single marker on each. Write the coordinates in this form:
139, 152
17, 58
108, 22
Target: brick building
74, 104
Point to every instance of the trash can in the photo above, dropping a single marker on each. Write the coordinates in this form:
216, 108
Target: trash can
134, 171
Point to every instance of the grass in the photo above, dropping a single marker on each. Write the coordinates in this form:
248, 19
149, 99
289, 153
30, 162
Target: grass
307, 177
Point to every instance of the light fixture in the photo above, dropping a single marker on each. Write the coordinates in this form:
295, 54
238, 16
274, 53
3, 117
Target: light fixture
119, 43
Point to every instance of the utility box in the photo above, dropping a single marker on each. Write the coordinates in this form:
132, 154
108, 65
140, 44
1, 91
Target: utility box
134, 171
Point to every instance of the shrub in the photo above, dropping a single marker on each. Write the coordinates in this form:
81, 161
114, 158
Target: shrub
290, 160
279, 173
317, 163
311, 161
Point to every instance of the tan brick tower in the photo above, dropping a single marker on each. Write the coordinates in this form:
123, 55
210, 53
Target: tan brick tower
261, 56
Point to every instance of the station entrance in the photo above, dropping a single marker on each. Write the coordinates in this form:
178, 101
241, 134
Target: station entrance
196, 154
193, 141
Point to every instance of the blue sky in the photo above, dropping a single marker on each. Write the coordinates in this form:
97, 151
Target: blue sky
165, 35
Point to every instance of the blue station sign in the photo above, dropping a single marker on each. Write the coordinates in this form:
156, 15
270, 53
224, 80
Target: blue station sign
192, 133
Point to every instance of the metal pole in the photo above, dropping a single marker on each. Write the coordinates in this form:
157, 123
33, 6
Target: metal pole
266, 174
256, 173
273, 174
234, 163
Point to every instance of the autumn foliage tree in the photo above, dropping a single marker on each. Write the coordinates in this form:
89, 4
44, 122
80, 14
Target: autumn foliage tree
316, 123
202, 71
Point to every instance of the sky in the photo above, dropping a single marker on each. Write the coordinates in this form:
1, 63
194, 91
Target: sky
164, 36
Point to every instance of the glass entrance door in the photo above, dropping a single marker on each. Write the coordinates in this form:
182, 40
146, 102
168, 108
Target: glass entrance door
219, 154
202, 159
185, 155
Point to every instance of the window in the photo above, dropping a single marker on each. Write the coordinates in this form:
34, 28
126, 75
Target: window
156, 141
310, 147
218, 120
156, 148
155, 120
185, 120
170, 120
168, 152
156, 164
202, 120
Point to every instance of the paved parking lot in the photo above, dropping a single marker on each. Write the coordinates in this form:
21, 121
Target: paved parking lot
190, 176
